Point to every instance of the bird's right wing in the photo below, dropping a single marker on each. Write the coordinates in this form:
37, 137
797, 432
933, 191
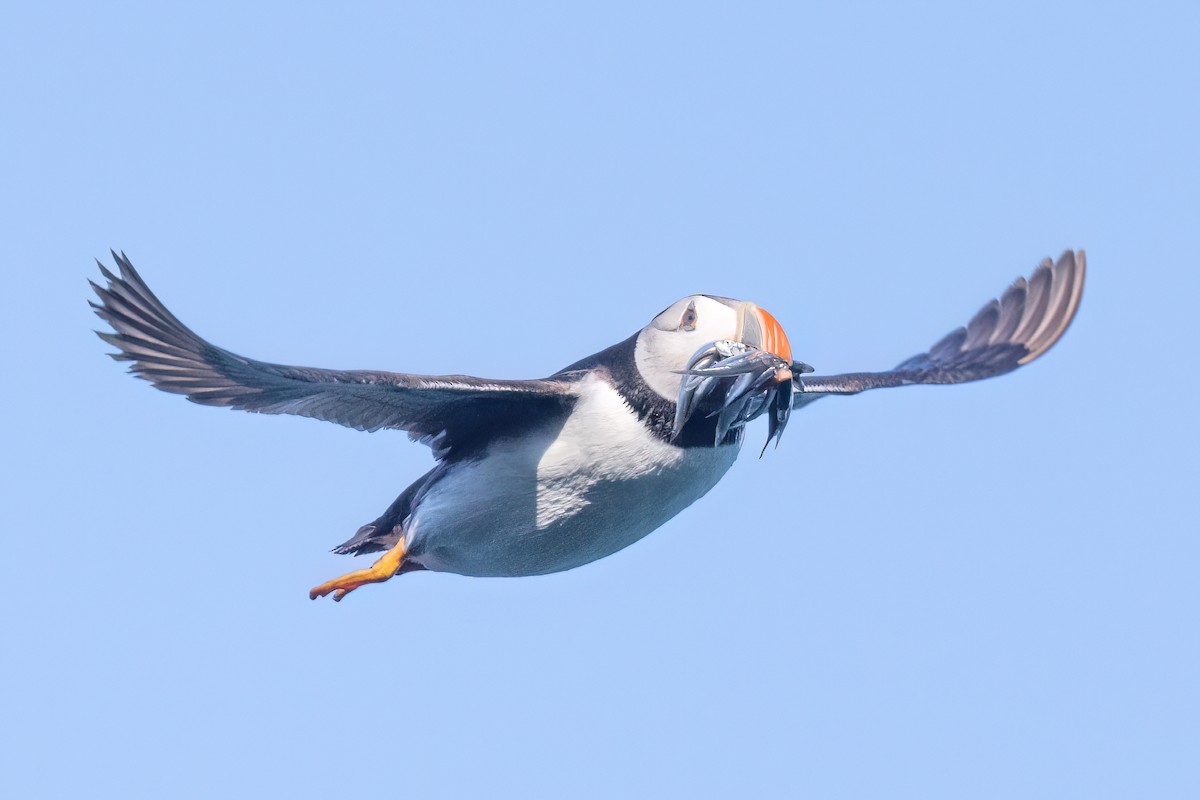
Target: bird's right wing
1005, 334
443, 411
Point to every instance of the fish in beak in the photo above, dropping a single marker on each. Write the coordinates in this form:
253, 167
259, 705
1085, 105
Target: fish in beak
755, 366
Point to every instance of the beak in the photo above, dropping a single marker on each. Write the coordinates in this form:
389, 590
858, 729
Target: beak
756, 327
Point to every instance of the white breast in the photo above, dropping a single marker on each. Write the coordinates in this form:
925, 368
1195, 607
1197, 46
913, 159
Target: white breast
562, 496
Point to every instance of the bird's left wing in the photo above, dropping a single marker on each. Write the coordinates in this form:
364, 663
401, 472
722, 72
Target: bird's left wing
442, 411
1005, 334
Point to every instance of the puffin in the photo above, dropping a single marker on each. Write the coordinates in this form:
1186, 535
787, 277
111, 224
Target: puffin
532, 477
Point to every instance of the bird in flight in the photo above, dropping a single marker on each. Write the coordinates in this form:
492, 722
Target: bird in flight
540, 476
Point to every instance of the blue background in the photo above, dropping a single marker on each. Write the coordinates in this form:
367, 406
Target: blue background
980, 591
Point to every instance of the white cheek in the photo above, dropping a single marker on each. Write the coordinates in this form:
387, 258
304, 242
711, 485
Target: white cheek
659, 355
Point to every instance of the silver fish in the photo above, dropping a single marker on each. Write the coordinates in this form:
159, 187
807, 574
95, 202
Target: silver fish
756, 382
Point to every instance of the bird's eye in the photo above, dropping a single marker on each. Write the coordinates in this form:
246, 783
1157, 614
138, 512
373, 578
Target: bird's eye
688, 323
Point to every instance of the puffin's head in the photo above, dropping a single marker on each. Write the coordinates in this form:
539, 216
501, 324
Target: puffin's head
673, 337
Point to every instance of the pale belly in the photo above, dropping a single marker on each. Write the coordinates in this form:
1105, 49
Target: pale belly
561, 497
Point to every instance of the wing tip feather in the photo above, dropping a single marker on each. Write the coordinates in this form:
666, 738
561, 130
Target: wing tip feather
1072, 266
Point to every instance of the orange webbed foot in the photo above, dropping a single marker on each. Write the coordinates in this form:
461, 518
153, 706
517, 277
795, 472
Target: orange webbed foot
382, 570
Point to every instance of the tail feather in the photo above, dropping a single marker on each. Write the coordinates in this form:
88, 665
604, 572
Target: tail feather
368, 539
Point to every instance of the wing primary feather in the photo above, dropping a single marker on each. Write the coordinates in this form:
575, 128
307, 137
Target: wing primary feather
982, 326
1012, 305
1037, 298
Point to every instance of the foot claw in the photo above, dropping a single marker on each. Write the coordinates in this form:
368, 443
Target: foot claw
338, 590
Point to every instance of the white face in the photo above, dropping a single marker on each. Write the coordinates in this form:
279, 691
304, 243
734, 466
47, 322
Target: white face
665, 345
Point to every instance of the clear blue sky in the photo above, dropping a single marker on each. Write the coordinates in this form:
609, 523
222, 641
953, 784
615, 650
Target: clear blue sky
984, 591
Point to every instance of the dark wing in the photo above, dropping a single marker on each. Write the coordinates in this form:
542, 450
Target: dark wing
1005, 334
444, 411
